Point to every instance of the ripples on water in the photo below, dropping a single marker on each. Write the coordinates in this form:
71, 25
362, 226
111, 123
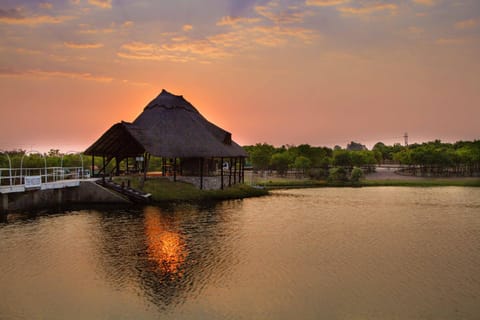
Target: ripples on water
370, 253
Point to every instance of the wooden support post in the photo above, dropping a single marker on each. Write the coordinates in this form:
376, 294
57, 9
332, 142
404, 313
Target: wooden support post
163, 166
234, 170
117, 166
104, 166
201, 173
239, 170
145, 165
230, 172
93, 165
175, 169
221, 173
243, 170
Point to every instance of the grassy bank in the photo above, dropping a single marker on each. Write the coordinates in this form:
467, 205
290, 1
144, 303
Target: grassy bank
286, 184
423, 183
164, 190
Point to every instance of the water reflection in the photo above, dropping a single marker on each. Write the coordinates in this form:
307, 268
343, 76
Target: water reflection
165, 246
370, 253
166, 255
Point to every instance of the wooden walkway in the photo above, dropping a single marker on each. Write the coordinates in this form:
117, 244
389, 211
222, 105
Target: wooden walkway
132, 194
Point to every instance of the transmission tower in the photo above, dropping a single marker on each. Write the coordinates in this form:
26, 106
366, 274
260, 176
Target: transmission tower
405, 136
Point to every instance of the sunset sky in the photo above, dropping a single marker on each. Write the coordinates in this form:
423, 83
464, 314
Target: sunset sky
322, 72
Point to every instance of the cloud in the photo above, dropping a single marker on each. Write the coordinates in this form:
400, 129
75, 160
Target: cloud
415, 31
425, 2
325, 3
187, 27
239, 7
136, 83
139, 47
233, 21
105, 4
281, 15
450, 41
46, 5
128, 24
97, 31
466, 24
27, 51
15, 17
369, 9
75, 45
45, 74
11, 14
217, 46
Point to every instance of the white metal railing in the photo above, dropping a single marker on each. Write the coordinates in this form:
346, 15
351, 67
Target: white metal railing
16, 176
22, 176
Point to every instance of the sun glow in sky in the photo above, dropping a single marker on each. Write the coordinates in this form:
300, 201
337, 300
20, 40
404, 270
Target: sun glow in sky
322, 72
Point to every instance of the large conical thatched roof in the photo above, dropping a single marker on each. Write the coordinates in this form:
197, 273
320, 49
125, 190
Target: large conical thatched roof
169, 126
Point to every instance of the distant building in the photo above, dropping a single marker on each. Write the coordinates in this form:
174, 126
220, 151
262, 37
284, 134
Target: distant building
355, 146
171, 128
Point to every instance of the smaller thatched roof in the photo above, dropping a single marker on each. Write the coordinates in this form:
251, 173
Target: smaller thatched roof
169, 126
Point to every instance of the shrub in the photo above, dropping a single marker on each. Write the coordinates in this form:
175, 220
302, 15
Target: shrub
356, 175
317, 173
337, 174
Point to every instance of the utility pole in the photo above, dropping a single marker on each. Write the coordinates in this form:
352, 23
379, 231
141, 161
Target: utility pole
405, 136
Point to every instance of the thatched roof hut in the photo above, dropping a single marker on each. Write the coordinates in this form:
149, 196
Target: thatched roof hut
169, 127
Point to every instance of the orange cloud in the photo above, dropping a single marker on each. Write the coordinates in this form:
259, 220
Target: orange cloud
136, 83
425, 2
128, 24
233, 21
44, 74
46, 5
273, 12
450, 41
105, 4
27, 51
180, 48
76, 45
415, 30
187, 27
97, 31
369, 9
139, 47
466, 24
325, 3
15, 17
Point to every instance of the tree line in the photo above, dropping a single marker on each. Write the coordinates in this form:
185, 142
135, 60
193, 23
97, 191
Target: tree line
441, 159
433, 158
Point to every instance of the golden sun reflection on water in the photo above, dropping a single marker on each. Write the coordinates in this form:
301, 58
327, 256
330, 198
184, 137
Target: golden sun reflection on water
164, 246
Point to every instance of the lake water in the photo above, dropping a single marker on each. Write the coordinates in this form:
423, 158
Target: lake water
368, 253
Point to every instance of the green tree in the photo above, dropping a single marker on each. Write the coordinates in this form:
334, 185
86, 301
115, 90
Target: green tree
280, 162
342, 158
356, 175
260, 155
302, 163
337, 174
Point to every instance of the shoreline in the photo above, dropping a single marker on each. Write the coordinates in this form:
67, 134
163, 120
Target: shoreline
381, 178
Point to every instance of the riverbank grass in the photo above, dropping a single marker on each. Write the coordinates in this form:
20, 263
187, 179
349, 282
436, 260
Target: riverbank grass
287, 184
454, 182
164, 190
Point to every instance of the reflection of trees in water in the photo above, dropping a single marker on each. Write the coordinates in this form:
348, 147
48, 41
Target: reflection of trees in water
168, 254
